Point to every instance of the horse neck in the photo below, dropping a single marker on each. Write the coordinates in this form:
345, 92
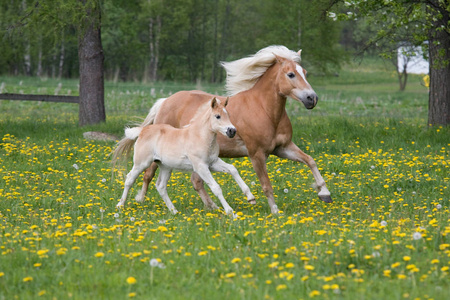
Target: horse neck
266, 93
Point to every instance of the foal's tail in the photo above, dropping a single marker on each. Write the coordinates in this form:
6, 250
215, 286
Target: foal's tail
152, 113
124, 146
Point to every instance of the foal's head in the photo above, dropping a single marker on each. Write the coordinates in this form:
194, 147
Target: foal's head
292, 82
220, 122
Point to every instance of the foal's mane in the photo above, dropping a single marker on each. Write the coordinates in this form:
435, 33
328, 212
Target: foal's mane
243, 73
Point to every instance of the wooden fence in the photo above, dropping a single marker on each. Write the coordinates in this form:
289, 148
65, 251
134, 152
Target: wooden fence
43, 98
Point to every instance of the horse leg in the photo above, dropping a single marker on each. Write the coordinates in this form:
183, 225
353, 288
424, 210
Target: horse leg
259, 165
221, 166
197, 182
161, 187
131, 178
292, 152
148, 176
203, 171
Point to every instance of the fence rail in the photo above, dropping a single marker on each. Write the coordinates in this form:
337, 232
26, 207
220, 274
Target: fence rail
43, 98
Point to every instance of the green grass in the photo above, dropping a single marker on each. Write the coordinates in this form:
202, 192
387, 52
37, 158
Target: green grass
386, 236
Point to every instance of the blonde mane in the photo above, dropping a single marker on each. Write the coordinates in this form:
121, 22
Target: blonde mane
243, 73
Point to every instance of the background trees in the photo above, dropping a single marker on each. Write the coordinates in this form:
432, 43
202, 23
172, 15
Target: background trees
164, 40
416, 22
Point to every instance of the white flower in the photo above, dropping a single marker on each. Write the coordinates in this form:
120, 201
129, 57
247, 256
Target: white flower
154, 262
372, 167
103, 180
417, 235
376, 254
438, 206
383, 223
102, 210
162, 221
399, 189
132, 219
75, 166
116, 215
286, 191
253, 183
332, 15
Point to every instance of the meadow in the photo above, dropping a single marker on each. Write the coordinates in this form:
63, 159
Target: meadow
385, 236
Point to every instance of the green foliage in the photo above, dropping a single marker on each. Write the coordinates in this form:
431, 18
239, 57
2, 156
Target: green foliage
191, 37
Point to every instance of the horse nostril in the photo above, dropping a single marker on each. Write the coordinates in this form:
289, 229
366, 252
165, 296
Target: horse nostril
231, 132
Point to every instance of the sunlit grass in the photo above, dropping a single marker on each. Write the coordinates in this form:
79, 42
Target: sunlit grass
386, 236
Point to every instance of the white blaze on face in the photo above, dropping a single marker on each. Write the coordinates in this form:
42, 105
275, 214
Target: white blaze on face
300, 71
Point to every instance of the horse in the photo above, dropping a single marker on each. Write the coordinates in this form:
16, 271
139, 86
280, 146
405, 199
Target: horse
191, 148
258, 86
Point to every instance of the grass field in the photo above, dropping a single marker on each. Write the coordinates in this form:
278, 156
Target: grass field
386, 236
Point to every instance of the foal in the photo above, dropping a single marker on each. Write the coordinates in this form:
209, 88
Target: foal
192, 148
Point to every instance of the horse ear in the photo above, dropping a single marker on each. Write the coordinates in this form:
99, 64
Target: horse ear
279, 59
300, 52
213, 102
226, 102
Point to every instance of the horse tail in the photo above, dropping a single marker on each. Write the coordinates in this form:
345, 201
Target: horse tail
150, 119
124, 146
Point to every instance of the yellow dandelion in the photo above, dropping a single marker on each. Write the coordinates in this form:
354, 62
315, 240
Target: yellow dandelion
99, 254
131, 280
314, 293
406, 258
27, 279
281, 287
289, 265
131, 295
202, 253
230, 275
235, 260
2, 274
309, 267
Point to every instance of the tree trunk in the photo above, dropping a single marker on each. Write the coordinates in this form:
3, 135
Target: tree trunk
61, 60
154, 35
439, 96
90, 55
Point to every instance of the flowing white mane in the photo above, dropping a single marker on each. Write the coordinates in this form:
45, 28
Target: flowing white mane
243, 73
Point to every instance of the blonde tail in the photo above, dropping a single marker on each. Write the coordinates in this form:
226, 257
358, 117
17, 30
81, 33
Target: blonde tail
150, 119
125, 145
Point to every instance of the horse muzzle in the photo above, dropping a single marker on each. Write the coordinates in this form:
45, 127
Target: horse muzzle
309, 98
231, 132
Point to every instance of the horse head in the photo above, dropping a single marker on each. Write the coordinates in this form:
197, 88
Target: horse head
220, 122
292, 82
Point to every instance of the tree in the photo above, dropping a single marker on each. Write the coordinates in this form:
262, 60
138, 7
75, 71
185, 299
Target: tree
90, 56
45, 19
423, 20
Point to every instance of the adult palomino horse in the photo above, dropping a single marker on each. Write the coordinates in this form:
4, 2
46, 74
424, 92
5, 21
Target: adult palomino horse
259, 86
192, 148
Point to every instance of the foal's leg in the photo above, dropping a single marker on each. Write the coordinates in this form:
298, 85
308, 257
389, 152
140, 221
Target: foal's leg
197, 182
161, 186
259, 165
221, 166
148, 176
131, 178
292, 152
203, 171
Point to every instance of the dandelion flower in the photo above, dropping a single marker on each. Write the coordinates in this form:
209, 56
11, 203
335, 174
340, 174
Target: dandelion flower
230, 275
27, 279
131, 295
154, 262
406, 258
99, 254
417, 235
439, 206
131, 280
75, 166
235, 260
383, 223
286, 191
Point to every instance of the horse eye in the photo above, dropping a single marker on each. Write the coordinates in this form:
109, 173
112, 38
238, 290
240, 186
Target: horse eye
291, 75
217, 117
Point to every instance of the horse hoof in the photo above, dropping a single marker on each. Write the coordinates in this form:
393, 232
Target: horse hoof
326, 199
274, 210
252, 201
